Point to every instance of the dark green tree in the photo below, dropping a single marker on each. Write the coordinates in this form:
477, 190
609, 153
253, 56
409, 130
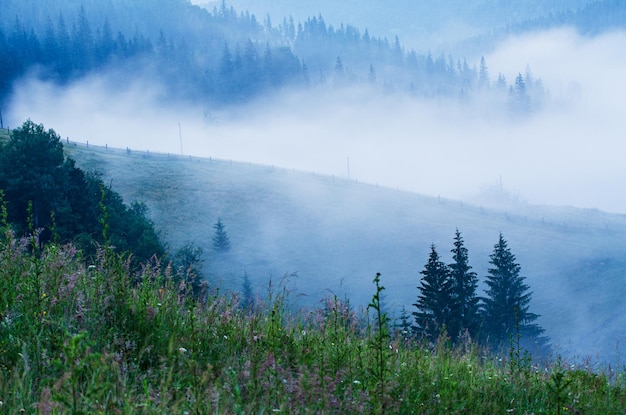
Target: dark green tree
434, 299
31, 170
465, 316
506, 307
221, 241
39, 183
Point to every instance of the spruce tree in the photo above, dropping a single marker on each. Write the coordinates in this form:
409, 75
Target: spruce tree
247, 294
465, 315
434, 300
221, 241
506, 306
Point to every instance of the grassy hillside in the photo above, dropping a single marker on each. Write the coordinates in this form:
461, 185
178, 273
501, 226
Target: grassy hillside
335, 234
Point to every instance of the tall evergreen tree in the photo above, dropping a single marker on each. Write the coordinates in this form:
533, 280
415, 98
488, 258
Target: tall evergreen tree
221, 241
506, 306
434, 300
464, 283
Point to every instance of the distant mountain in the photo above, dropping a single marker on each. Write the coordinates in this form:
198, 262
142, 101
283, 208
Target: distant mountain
336, 234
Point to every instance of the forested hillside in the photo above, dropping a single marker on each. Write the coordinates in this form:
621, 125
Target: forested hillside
424, 25
224, 55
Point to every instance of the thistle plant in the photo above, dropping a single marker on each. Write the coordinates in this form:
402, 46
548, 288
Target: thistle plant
380, 338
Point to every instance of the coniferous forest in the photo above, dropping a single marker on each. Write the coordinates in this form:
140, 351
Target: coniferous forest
224, 56
102, 311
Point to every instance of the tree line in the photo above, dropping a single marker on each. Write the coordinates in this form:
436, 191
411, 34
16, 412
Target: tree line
220, 56
448, 303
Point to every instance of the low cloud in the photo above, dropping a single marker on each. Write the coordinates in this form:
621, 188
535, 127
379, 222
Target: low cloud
569, 153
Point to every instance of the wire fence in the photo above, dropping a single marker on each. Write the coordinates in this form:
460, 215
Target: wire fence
134, 153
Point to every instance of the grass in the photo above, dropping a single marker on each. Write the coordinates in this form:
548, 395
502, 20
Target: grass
96, 338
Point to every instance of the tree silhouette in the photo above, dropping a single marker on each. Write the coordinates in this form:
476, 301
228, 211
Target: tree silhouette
506, 307
464, 283
434, 301
247, 293
221, 241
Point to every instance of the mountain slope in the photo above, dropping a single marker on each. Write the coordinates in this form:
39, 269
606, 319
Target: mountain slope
336, 234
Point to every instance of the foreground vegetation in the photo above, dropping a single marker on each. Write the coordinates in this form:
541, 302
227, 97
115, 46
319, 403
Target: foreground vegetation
101, 338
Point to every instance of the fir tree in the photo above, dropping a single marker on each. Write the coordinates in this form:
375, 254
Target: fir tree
221, 241
247, 293
464, 283
506, 307
434, 301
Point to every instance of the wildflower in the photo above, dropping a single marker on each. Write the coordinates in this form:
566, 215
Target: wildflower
182, 350
225, 337
356, 382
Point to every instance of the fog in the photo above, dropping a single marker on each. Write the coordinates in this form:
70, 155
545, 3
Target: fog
569, 153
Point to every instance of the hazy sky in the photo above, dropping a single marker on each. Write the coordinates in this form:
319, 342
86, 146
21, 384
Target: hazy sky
570, 154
